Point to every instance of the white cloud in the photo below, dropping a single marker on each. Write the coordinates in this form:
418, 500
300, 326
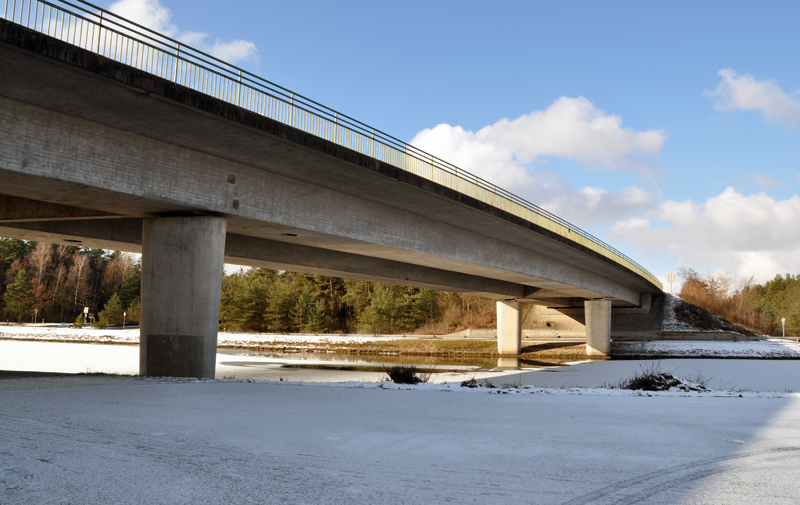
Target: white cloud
149, 13
766, 182
745, 234
504, 153
744, 92
153, 15
235, 50
587, 206
571, 128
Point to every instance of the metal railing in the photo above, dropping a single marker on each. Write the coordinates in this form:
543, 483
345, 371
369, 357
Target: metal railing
95, 29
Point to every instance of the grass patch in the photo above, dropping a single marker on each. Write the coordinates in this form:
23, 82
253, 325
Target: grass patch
437, 348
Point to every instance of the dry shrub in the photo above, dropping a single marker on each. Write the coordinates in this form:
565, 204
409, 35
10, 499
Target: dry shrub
459, 312
406, 374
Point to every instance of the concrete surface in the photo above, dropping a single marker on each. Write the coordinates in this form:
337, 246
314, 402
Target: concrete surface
132, 144
509, 327
598, 327
182, 262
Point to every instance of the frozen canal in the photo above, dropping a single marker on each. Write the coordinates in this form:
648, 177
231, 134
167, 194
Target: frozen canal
721, 374
90, 439
130, 440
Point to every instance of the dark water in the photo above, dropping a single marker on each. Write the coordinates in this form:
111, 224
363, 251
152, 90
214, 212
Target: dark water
379, 362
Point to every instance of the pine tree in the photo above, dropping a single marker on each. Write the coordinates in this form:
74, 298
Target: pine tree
112, 313
20, 299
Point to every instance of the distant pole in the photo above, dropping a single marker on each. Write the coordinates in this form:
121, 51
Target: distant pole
670, 279
783, 327
35, 315
123, 319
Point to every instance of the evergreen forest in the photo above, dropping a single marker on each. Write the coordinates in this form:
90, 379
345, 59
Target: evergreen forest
53, 283
60, 281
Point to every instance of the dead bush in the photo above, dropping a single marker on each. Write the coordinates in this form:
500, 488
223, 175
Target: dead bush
406, 374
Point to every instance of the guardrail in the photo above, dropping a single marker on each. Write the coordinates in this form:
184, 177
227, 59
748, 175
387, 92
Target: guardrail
95, 29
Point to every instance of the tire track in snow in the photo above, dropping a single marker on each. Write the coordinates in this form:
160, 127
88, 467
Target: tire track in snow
630, 491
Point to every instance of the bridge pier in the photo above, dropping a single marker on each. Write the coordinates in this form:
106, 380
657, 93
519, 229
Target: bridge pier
598, 327
182, 265
509, 327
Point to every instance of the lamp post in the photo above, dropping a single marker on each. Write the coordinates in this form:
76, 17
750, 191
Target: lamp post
123, 319
783, 326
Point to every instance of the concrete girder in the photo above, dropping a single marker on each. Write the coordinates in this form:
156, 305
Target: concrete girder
16, 209
125, 235
43, 71
47, 154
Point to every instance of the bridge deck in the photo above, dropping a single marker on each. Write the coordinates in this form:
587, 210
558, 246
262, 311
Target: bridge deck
85, 131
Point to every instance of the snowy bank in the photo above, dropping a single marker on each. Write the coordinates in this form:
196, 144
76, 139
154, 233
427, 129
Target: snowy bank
758, 349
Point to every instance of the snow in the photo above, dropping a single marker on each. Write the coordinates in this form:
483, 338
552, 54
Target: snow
265, 433
772, 348
670, 321
728, 375
131, 336
710, 323
127, 440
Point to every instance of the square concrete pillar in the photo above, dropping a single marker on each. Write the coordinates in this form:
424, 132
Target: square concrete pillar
598, 327
509, 327
182, 264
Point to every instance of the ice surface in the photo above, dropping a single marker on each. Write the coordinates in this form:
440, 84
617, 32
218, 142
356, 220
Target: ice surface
86, 439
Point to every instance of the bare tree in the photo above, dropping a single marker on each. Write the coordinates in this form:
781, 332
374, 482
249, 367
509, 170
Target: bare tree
77, 278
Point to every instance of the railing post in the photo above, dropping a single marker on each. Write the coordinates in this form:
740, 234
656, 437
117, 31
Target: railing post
239, 91
177, 55
99, 32
335, 124
291, 111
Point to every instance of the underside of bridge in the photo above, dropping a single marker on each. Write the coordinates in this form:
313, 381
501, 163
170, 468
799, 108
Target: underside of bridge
99, 154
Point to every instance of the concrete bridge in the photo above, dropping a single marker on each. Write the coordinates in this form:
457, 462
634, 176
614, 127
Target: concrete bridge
115, 137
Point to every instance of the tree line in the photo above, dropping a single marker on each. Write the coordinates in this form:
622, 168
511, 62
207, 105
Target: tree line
59, 281
53, 283
260, 300
758, 307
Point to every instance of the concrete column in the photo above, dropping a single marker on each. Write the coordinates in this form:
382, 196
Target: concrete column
182, 263
598, 327
509, 327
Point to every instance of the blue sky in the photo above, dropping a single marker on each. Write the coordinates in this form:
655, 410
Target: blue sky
669, 129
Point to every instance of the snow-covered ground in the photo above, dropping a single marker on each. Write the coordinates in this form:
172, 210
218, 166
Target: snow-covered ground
773, 348
88, 439
268, 433
723, 376
57, 333
767, 348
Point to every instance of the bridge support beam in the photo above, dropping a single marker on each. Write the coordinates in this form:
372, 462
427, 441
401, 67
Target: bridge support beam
509, 327
182, 264
598, 327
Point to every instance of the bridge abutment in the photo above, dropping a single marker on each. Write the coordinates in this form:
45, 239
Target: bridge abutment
598, 327
509, 327
182, 265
